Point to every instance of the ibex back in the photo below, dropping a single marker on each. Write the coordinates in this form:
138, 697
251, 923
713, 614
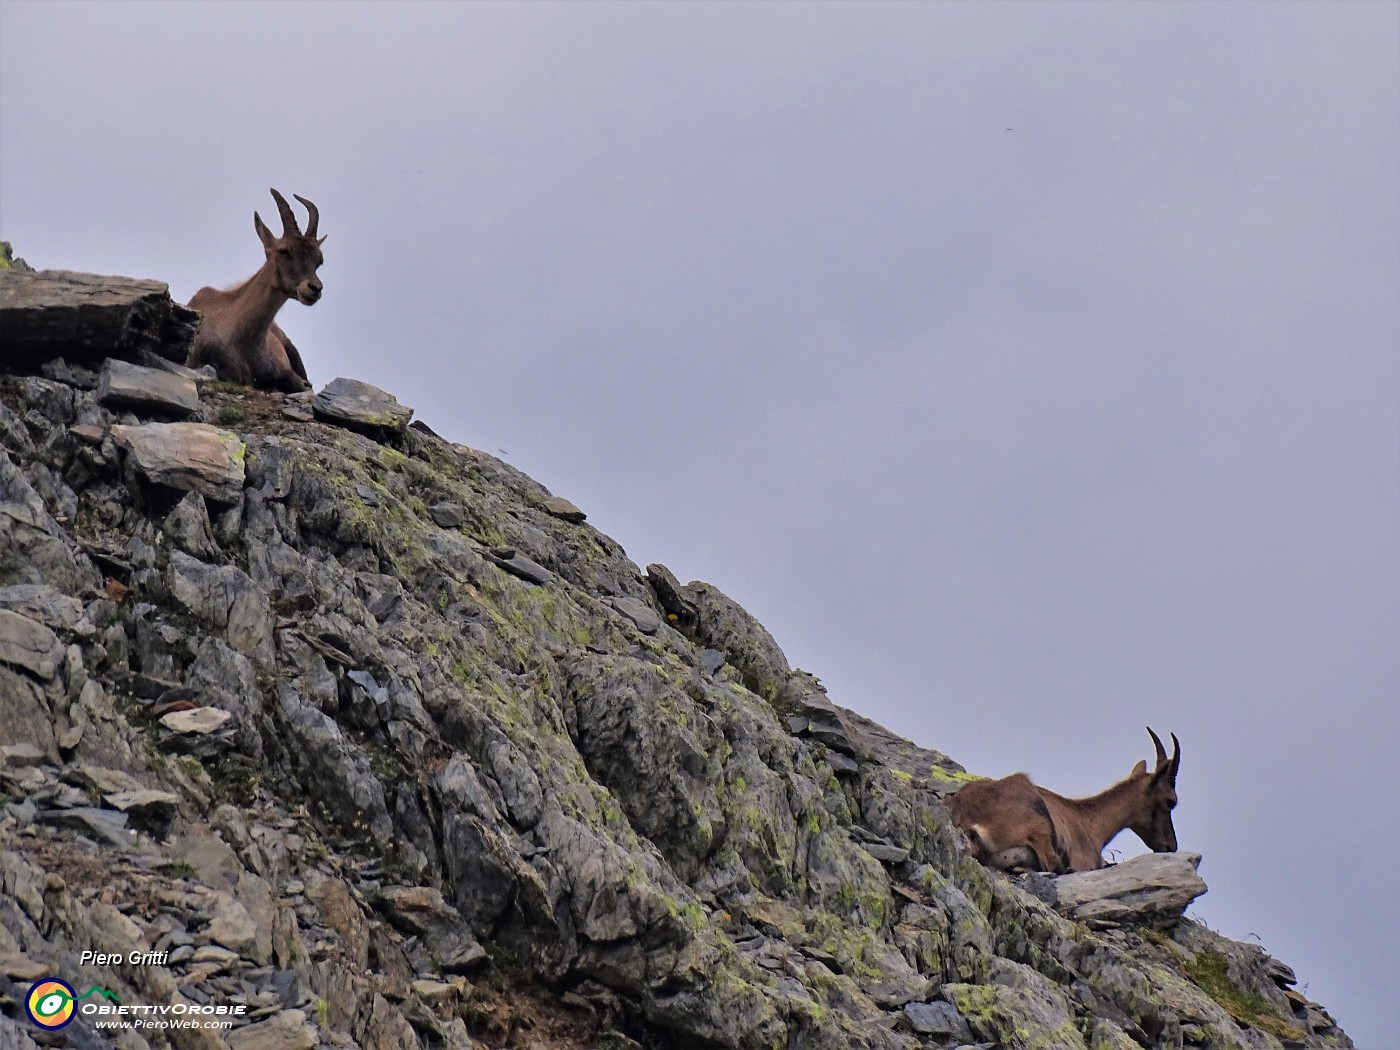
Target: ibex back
238, 335
1014, 824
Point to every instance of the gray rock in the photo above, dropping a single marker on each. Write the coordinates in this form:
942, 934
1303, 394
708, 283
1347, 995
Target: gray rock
639, 612
104, 825
561, 508
1152, 889
289, 987
886, 853
87, 317
722, 623
1281, 973
231, 926
149, 809
200, 720
28, 644
937, 1018
25, 713
143, 799
447, 515
358, 406
840, 763
192, 457
105, 780
677, 601
47, 605
188, 527
225, 957
517, 564
298, 413
369, 700
196, 376
827, 723
346, 785
21, 756
226, 598
19, 967
60, 371
123, 385
423, 911
32, 544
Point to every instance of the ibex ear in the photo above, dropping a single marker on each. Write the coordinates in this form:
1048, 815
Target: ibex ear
320, 241
1139, 770
264, 234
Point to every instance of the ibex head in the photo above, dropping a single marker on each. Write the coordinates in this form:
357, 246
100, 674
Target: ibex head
1152, 821
295, 256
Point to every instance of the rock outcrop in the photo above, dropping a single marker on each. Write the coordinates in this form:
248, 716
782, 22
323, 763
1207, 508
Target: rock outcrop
88, 317
372, 735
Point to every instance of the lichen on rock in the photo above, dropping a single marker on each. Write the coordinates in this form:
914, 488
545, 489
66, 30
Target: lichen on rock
414, 756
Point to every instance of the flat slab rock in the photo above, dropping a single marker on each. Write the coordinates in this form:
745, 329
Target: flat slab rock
561, 508
358, 406
85, 317
142, 799
46, 605
200, 720
146, 390
639, 612
1151, 889
29, 644
936, 1018
514, 562
192, 457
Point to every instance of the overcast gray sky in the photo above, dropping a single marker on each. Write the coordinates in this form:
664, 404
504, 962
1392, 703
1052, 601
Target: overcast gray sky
1032, 371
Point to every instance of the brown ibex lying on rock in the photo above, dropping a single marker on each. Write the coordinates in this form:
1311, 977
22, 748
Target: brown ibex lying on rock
239, 336
1015, 825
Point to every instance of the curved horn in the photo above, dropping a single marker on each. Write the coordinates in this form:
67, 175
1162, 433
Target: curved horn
289, 221
1161, 751
315, 216
1176, 757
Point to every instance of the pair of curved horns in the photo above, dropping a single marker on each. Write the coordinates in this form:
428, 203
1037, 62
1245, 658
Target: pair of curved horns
289, 221
1164, 764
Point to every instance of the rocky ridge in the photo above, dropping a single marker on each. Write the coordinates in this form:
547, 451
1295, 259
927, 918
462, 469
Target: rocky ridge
375, 736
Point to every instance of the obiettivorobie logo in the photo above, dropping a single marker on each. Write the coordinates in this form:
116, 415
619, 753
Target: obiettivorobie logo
52, 1003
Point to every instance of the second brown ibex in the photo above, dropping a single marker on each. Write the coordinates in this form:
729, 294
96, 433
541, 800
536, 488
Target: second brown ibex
1014, 824
239, 335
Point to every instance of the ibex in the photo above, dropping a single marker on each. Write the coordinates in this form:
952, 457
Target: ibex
239, 336
1015, 825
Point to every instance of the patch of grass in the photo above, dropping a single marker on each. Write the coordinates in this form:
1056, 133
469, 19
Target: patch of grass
232, 415
235, 778
1210, 972
502, 967
384, 762
1157, 937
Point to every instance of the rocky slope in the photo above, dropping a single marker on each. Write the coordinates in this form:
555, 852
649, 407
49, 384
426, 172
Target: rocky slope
380, 740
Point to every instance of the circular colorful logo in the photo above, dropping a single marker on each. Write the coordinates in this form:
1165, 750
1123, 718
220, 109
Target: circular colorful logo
51, 1003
